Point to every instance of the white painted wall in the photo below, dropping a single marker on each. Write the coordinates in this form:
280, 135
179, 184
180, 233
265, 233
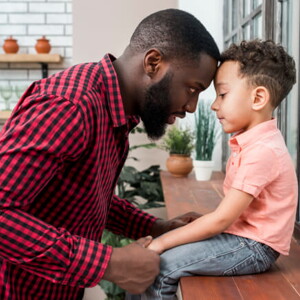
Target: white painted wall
102, 26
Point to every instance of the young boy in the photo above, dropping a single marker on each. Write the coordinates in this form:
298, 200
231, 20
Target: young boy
254, 222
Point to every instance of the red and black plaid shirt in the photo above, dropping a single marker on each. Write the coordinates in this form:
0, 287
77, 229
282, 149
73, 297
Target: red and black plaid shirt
61, 153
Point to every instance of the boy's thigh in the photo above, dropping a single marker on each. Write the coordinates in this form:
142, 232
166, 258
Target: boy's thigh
222, 254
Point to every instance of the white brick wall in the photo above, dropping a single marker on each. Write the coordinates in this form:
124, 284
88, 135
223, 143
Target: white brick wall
27, 21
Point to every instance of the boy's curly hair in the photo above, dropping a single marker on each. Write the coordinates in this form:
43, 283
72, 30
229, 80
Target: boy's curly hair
264, 63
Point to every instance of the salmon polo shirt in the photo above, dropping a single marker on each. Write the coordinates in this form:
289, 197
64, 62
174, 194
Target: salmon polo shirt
260, 165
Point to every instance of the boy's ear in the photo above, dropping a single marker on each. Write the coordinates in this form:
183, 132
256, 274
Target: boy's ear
152, 61
260, 98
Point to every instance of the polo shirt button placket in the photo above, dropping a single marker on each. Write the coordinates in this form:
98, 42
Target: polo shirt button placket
234, 155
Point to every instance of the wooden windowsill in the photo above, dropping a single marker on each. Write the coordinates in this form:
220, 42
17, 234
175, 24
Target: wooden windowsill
30, 58
184, 194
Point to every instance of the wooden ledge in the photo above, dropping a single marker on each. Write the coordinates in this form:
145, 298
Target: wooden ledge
184, 194
30, 58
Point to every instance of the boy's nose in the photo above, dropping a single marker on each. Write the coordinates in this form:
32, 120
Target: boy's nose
214, 105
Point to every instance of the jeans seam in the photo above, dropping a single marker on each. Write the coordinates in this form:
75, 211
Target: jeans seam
208, 257
249, 258
268, 261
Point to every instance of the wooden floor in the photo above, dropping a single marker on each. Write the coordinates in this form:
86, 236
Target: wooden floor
282, 282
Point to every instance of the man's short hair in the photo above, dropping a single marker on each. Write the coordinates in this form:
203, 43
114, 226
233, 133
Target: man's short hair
264, 63
176, 33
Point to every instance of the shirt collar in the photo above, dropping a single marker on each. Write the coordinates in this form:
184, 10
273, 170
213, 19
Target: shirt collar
242, 139
113, 93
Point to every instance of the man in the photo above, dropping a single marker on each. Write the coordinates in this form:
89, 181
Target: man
62, 151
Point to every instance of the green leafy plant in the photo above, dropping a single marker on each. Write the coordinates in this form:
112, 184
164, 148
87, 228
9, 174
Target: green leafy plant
142, 188
206, 131
178, 141
134, 185
112, 291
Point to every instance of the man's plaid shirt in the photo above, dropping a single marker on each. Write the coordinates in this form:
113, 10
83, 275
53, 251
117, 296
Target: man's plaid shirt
61, 153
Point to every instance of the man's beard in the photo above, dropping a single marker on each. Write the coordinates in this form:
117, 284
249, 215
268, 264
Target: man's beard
156, 109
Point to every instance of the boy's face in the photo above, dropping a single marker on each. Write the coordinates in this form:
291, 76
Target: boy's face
233, 104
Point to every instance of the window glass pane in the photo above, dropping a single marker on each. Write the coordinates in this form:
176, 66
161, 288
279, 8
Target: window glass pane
284, 23
256, 3
227, 44
246, 7
257, 26
234, 38
234, 17
226, 17
246, 31
292, 102
292, 128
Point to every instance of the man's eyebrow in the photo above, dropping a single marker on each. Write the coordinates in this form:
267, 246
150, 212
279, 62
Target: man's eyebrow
201, 86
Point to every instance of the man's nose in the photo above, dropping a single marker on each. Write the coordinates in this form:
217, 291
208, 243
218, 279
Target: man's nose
191, 106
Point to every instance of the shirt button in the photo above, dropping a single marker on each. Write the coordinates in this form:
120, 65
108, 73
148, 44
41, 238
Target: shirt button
234, 154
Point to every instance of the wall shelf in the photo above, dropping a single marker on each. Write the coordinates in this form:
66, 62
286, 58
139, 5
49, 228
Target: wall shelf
43, 59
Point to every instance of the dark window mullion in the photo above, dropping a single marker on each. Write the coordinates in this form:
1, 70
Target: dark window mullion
269, 19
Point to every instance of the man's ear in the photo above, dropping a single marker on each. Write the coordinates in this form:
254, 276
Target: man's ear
152, 61
260, 98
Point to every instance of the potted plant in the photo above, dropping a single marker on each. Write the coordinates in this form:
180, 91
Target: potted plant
179, 143
206, 133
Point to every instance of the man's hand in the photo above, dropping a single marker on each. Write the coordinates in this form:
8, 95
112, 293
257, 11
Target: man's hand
133, 267
162, 226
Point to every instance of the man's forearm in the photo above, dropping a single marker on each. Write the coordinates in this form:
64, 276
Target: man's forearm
125, 219
51, 253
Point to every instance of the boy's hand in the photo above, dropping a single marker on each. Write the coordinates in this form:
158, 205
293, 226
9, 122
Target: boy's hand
156, 246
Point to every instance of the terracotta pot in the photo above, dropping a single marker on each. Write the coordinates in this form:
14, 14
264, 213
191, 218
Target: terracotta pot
42, 45
10, 46
179, 165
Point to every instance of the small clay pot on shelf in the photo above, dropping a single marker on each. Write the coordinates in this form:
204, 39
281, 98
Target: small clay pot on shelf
10, 46
42, 45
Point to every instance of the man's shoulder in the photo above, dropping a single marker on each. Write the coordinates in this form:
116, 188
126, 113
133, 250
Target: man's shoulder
73, 82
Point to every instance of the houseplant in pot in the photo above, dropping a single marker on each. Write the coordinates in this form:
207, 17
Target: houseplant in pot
179, 143
206, 133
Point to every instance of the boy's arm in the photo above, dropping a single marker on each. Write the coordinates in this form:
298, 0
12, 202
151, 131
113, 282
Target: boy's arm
231, 207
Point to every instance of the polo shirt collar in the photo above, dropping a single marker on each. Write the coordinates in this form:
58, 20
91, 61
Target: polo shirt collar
242, 139
113, 93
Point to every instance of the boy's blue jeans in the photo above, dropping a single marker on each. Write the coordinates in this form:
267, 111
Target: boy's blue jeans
221, 255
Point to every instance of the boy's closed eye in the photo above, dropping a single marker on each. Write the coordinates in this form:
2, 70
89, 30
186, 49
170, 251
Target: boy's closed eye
222, 95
